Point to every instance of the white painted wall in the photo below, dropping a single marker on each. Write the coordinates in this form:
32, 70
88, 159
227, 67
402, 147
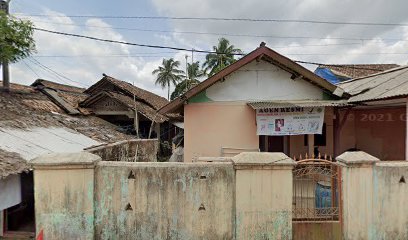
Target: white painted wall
262, 81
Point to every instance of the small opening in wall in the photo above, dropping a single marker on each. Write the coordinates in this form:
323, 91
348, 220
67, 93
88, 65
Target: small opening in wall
131, 175
201, 208
402, 179
128, 207
203, 177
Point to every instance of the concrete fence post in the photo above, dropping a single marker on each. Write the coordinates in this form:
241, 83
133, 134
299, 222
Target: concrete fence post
263, 195
357, 194
64, 195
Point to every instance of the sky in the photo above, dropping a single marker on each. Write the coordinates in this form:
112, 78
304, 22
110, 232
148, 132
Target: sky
81, 62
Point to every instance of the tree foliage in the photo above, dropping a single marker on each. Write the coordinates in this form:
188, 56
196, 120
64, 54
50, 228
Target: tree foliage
16, 38
224, 56
194, 73
183, 87
168, 73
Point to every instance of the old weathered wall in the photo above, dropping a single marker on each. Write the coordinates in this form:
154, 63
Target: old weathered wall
390, 193
135, 150
64, 195
263, 196
374, 197
164, 200
77, 196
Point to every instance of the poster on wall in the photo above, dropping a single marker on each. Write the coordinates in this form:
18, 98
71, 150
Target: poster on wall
289, 121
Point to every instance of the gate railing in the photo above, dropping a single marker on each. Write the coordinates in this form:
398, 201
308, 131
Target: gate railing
316, 190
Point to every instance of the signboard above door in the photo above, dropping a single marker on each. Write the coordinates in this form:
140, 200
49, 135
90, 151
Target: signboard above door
289, 121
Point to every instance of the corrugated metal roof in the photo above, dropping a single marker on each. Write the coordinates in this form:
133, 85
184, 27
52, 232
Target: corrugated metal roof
388, 84
298, 103
31, 143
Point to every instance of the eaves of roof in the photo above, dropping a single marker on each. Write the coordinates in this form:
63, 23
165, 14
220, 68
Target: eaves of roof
261, 52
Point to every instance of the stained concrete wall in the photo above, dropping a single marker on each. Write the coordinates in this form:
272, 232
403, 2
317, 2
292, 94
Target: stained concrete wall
390, 194
135, 150
77, 196
263, 196
164, 201
64, 195
374, 197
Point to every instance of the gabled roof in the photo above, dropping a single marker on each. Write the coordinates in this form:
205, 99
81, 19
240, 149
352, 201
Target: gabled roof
127, 101
25, 108
263, 53
65, 96
155, 101
358, 70
389, 84
57, 86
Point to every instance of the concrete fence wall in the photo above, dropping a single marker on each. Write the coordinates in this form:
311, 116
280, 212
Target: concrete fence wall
164, 201
77, 196
135, 150
374, 197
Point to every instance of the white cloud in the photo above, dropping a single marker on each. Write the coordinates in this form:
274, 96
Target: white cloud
93, 57
324, 10
88, 68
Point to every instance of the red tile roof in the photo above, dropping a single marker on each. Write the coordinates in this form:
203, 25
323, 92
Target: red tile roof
359, 70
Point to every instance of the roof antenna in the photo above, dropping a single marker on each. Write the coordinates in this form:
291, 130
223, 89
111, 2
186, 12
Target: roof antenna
103, 74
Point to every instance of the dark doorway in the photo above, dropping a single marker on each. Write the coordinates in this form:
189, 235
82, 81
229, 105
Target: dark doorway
19, 219
276, 144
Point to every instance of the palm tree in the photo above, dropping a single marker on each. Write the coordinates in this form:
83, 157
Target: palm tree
168, 74
193, 74
223, 56
182, 87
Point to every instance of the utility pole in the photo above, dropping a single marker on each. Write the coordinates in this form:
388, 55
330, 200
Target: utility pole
4, 6
186, 73
136, 117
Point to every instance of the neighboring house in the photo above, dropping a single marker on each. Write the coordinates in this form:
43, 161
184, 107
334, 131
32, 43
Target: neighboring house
65, 96
336, 73
117, 101
233, 111
377, 124
247, 107
31, 125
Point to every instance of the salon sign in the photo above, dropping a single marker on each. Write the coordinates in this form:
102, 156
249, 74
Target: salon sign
289, 121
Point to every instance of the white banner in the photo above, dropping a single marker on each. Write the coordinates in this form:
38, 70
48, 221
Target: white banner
289, 121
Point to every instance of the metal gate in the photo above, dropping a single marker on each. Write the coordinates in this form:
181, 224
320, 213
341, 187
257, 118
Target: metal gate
316, 190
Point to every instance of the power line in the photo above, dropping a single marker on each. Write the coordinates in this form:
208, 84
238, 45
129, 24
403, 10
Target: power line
163, 47
228, 34
42, 67
59, 75
32, 70
227, 19
220, 34
127, 43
